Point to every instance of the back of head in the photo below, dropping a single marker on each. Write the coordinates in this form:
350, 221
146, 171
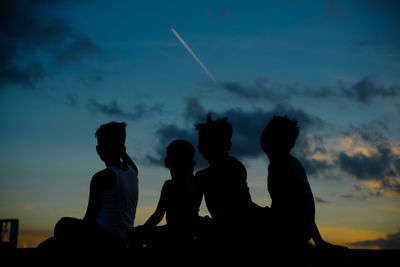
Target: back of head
214, 136
279, 136
179, 151
111, 139
179, 159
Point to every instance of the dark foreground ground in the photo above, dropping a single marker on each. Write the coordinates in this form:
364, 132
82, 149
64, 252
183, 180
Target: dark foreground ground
149, 257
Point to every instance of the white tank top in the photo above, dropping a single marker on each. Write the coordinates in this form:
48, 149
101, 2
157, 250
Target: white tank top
117, 212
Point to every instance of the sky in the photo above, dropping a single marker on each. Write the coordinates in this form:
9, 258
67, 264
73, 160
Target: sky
68, 66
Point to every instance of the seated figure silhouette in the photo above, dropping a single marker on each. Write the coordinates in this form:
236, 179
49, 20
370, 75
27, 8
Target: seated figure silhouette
112, 199
224, 186
292, 212
177, 200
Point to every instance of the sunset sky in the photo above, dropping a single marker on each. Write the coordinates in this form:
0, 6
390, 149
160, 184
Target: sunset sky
68, 66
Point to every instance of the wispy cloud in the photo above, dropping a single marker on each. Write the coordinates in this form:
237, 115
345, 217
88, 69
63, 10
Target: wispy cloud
320, 200
116, 109
80, 48
262, 89
367, 89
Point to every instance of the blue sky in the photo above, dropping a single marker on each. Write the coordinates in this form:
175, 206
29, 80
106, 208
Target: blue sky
68, 66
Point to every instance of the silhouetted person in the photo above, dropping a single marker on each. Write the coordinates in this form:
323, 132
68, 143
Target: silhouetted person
224, 186
177, 202
112, 199
292, 212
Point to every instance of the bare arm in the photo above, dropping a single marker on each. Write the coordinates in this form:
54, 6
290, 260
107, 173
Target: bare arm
316, 236
160, 210
198, 194
126, 159
101, 182
319, 242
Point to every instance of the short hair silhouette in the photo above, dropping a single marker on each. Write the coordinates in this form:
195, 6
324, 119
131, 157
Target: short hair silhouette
217, 134
111, 133
282, 131
111, 138
179, 151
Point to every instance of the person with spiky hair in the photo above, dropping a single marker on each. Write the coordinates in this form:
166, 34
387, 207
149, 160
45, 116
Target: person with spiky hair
223, 184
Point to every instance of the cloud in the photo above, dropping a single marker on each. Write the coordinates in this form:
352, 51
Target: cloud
391, 241
377, 166
194, 111
115, 109
320, 200
25, 75
253, 92
367, 89
247, 126
322, 92
384, 187
78, 49
272, 91
29, 28
364, 152
263, 89
377, 159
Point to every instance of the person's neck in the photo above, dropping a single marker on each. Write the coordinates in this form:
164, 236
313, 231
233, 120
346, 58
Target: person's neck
180, 173
278, 157
217, 160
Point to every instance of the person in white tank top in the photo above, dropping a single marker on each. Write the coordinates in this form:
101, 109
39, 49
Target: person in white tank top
112, 199
118, 209
114, 190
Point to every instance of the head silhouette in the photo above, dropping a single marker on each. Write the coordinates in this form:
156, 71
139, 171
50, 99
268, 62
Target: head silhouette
279, 136
179, 158
111, 141
214, 138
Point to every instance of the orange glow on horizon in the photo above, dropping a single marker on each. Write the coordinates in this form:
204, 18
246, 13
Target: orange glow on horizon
344, 236
32, 238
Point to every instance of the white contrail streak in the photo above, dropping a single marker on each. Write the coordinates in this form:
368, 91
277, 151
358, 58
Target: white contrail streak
193, 54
